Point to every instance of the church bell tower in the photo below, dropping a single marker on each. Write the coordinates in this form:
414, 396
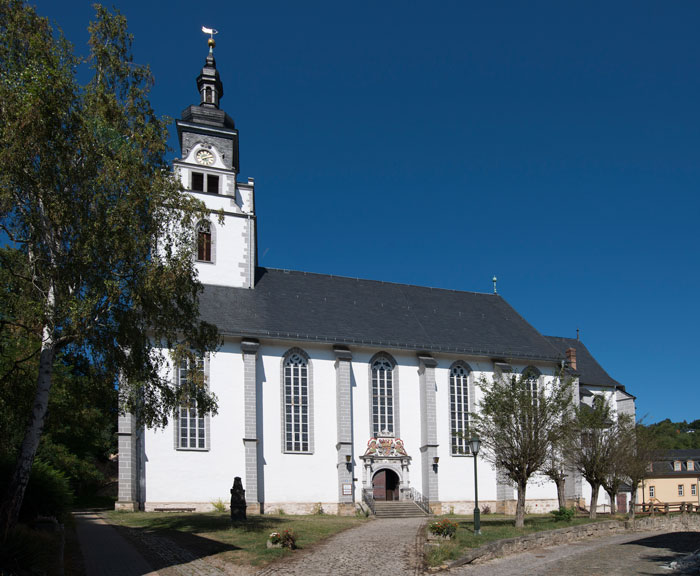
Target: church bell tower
208, 169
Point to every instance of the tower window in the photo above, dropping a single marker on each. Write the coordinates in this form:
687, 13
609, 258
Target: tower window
198, 181
212, 184
208, 97
204, 241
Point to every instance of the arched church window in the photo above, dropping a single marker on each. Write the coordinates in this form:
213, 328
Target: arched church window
192, 425
204, 243
459, 407
382, 397
297, 402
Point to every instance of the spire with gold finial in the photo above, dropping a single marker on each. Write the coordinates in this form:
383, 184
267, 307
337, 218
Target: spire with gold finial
211, 41
209, 84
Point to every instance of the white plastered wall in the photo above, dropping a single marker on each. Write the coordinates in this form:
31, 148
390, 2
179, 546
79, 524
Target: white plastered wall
194, 476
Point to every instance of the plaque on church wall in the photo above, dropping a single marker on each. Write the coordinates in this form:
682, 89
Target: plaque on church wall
347, 489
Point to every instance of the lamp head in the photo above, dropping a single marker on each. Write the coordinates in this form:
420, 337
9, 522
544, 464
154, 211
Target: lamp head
474, 445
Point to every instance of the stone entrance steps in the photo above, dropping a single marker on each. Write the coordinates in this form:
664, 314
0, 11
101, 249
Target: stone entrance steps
402, 509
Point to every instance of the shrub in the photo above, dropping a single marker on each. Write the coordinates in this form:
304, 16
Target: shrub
287, 538
486, 509
219, 505
28, 551
48, 492
565, 514
444, 527
318, 509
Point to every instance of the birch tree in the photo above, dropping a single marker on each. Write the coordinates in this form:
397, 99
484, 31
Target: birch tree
85, 191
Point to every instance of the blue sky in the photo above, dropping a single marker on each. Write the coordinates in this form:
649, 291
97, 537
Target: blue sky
553, 144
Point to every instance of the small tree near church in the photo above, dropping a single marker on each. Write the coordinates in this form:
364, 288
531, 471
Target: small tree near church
520, 422
85, 191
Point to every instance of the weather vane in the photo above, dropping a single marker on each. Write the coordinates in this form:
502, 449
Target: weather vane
211, 32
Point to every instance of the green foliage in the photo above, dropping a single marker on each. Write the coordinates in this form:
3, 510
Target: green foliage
98, 239
27, 551
564, 514
318, 509
519, 427
48, 492
219, 505
676, 435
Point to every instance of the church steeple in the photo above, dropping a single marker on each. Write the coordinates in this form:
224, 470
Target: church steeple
211, 90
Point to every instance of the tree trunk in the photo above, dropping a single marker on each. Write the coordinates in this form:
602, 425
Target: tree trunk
613, 503
560, 491
12, 500
633, 502
520, 507
595, 488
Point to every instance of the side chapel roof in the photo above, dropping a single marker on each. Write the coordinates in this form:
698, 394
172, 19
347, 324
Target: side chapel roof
590, 372
332, 309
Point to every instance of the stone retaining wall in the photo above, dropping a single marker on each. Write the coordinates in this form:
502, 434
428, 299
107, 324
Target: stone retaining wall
684, 522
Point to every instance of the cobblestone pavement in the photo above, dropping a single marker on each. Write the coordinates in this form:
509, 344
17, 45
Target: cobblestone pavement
390, 547
620, 555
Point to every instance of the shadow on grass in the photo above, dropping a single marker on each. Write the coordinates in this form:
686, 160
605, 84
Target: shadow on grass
178, 539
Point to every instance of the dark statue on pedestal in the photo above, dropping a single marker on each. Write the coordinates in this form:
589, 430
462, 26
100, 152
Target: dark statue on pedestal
237, 500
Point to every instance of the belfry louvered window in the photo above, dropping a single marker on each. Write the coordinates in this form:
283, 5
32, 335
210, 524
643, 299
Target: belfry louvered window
296, 403
382, 397
459, 409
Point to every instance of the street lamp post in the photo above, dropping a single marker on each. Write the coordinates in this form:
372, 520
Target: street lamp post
474, 445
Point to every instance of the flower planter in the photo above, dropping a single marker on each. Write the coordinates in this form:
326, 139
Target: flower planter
275, 545
438, 537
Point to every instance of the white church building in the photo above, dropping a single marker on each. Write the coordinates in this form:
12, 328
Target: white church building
330, 386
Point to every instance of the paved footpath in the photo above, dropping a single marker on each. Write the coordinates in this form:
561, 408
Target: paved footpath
621, 555
104, 550
390, 547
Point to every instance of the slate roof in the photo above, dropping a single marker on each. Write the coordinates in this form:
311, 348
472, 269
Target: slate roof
665, 467
332, 309
590, 372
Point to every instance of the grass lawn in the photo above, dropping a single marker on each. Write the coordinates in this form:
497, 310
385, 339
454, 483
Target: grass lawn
211, 534
494, 527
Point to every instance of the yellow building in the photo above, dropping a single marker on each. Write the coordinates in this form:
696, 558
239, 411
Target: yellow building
674, 479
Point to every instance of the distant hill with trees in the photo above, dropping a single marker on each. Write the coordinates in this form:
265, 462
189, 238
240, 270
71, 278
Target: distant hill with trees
677, 435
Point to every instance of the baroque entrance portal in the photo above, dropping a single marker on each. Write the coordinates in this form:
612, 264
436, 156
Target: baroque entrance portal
385, 485
385, 469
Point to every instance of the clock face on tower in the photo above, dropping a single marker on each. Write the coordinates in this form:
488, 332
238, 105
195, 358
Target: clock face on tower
205, 157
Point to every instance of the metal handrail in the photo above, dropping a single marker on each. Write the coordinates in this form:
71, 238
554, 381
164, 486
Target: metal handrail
368, 498
419, 499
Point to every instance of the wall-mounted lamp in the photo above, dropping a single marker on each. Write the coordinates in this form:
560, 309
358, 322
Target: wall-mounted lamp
436, 459
348, 462
348, 458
